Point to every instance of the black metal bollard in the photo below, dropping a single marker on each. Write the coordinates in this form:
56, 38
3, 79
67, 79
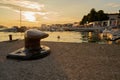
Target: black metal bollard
32, 48
32, 44
32, 39
10, 37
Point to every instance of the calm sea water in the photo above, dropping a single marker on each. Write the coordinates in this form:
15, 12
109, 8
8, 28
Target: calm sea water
53, 36
4, 36
66, 36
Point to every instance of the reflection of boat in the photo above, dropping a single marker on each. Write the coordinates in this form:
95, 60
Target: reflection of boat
116, 35
111, 34
106, 32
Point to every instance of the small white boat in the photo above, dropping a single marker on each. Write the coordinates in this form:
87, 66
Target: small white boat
111, 34
116, 35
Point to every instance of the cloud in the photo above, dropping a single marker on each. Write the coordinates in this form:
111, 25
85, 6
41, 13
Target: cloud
31, 11
114, 5
22, 4
47, 16
30, 16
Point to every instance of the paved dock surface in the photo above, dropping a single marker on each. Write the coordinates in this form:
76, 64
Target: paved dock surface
67, 61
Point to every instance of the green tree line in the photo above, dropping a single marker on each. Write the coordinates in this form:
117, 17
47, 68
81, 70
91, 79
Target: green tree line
94, 15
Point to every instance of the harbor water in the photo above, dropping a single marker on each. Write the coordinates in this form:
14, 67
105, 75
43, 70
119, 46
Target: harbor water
65, 36
53, 36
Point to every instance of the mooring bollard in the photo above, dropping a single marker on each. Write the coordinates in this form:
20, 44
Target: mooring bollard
32, 39
33, 49
10, 37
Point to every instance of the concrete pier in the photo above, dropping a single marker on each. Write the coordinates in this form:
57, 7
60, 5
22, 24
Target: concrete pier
68, 61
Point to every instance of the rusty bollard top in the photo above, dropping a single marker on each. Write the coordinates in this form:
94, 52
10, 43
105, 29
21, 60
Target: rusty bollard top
32, 39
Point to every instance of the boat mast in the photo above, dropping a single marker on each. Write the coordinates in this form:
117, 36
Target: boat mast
20, 18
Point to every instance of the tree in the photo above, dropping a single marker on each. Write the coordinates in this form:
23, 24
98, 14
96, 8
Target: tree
119, 14
84, 20
94, 16
101, 15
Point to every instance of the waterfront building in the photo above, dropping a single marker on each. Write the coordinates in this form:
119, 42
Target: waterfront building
113, 16
113, 21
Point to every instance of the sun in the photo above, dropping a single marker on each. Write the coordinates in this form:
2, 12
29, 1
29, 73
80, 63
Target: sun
29, 16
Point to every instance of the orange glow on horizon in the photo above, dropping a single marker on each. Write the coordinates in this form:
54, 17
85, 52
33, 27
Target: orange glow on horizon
37, 12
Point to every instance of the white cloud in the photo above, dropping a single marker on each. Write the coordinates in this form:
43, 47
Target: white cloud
29, 16
115, 5
29, 9
23, 4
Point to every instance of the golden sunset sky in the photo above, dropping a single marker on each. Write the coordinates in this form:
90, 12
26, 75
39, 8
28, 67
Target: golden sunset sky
37, 12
